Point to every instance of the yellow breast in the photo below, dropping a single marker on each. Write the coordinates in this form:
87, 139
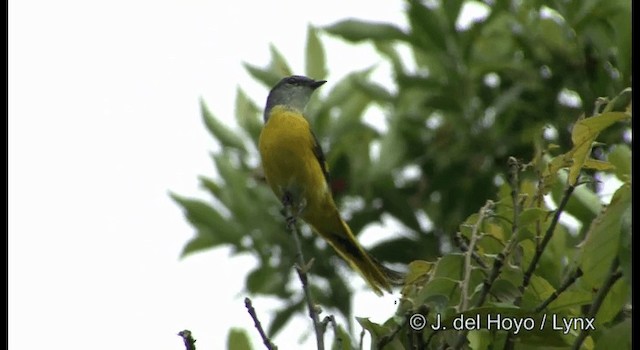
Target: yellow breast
289, 163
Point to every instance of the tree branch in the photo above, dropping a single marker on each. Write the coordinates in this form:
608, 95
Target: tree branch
301, 268
189, 342
614, 275
267, 342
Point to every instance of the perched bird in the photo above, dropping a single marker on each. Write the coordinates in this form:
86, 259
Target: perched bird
295, 168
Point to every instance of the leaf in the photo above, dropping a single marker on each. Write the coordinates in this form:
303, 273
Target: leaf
614, 301
428, 31
248, 115
282, 317
199, 212
315, 65
266, 76
278, 64
377, 332
539, 289
602, 241
264, 279
570, 299
237, 339
341, 340
452, 10
598, 165
203, 240
219, 131
418, 269
531, 215
620, 157
357, 30
584, 133
616, 337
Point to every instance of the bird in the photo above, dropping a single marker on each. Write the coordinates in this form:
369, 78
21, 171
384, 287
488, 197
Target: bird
295, 168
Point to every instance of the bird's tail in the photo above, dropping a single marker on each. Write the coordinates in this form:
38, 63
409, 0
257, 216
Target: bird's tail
338, 234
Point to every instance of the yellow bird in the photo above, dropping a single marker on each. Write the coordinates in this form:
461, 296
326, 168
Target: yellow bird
295, 168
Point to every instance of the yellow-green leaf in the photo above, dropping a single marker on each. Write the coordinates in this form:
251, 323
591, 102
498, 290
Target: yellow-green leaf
226, 136
603, 238
584, 133
315, 66
237, 339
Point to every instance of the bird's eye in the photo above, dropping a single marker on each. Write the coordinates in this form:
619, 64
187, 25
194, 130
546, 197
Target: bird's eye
292, 81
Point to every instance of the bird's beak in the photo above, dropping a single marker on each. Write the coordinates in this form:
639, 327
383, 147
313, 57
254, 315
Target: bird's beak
316, 84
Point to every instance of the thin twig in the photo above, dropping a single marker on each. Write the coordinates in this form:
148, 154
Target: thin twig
189, 342
567, 283
301, 268
545, 240
336, 332
464, 247
464, 298
267, 342
614, 275
475, 235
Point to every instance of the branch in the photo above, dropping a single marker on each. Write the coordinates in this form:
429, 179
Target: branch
614, 275
338, 336
547, 237
464, 298
189, 342
570, 280
267, 342
301, 268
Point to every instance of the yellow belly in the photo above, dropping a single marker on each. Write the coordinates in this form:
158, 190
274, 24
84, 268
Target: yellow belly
290, 166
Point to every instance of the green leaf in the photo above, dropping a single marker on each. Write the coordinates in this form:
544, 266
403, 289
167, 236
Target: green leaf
282, 317
248, 115
219, 131
616, 337
602, 242
237, 339
379, 332
373, 90
531, 215
205, 239
264, 279
268, 77
539, 289
279, 64
199, 212
428, 31
357, 30
621, 102
342, 339
612, 304
584, 133
620, 157
315, 65
570, 299
452, 10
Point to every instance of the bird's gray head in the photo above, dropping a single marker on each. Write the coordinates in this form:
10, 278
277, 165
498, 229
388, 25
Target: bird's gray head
293, 92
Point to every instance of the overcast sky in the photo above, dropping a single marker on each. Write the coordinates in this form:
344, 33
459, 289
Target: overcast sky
103, 121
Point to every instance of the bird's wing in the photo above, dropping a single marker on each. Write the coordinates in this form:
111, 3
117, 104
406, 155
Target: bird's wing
317, 150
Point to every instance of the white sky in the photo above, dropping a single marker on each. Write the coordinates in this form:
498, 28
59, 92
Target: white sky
103, 121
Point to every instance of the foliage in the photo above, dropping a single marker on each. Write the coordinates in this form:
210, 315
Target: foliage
467, 101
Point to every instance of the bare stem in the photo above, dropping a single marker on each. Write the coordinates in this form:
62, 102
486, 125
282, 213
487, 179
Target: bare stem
189, 342
545, 240
267, 342
301, 268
